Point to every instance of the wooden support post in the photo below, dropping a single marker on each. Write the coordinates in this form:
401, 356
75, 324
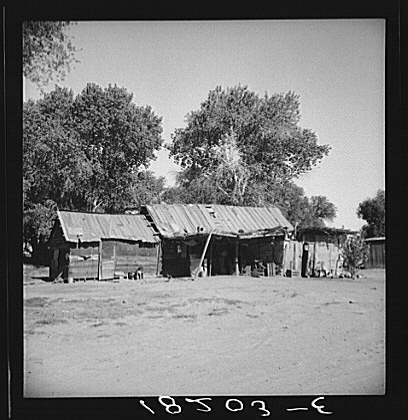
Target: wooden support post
314, 258
210, 265
158, 258
100, 260
237, 257
114, 258
203, 254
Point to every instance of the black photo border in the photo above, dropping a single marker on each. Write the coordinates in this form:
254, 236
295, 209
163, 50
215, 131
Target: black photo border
394, 402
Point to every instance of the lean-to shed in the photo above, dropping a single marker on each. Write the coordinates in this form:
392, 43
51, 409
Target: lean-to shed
321, 250
96, 246
217, 239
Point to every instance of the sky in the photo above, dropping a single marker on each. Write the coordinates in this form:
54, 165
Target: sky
337, 67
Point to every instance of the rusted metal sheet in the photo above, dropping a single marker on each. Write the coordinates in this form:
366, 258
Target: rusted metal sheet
92, 227
181, 220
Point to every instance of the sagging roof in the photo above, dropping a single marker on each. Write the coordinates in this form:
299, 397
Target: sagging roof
181, 220
92, 227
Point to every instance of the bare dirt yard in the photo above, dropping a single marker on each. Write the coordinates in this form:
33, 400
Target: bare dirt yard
214, 336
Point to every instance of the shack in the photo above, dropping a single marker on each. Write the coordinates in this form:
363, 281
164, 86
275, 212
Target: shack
316, 251
99, 246
218, 240
376, 252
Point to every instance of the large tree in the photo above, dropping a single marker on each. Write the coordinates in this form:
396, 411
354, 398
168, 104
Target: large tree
84, 153
54, 166
266, 130
372, 210
146, 189
240, 148
118, 139
54, 163
48, 52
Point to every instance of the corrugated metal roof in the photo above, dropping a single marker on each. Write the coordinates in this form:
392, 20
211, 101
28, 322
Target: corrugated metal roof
175, 220
91, 227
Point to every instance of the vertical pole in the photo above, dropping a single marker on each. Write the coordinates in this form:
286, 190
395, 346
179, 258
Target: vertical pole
100, 260
314, 258
203, 254
114, 258
210, 260
237, 257
158, 258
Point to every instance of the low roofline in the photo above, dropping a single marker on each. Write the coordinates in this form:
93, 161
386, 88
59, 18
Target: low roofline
278, 231
97, 238
93, 212
377, 238
326, 230
160, 215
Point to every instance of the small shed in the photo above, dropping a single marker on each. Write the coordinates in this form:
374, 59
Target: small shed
376, 252
217, 239
321, 250
98, 246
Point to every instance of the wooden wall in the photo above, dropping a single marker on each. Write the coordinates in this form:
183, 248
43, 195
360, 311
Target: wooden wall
101, 260
83, 262
322, 256
376, 254
126, 257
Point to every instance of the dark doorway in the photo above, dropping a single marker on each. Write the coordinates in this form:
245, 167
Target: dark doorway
305, 258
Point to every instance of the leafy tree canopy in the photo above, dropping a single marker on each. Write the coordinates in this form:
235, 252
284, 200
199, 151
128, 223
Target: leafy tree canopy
85, 153
266, 131
372, 210
48, 52
146, 189
118, 139
243, 149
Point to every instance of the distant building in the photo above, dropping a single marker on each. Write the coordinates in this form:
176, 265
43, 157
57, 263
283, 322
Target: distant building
96, 246
376, 252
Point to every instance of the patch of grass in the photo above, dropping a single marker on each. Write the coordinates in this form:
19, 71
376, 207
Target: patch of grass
97, 324
218, 311
232, 301
333, 302
36, 302
185, 316
50, 321
34, 332
217, 300
175, 305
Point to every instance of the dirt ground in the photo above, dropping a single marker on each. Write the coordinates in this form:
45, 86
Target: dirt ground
214, 336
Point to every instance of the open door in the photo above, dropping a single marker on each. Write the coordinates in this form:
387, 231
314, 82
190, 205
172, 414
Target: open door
305, 258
